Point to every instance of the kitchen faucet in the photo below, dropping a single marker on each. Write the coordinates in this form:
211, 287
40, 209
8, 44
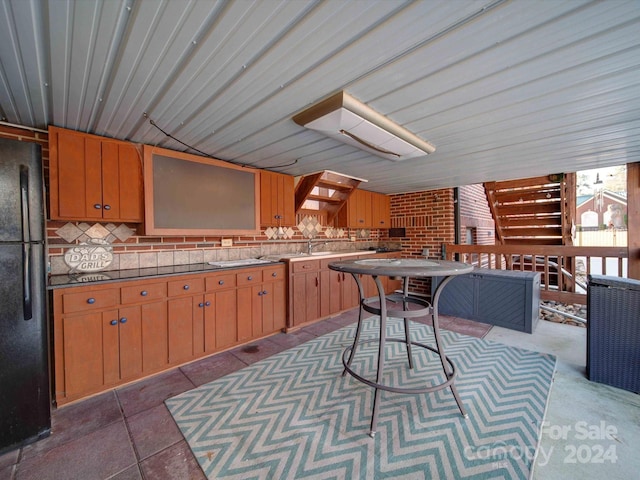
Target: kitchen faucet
311, 246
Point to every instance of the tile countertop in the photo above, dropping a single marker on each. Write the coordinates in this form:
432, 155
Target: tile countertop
84, 278
320, 254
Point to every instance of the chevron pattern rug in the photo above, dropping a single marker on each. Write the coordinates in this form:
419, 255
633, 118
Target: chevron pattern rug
293, 416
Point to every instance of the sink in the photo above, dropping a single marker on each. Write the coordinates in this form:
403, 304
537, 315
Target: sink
323, 252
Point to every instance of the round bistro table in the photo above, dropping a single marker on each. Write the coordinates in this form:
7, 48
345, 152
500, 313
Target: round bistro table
378, 305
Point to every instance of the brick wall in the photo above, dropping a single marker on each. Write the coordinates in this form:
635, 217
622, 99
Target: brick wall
475, 215
428, 220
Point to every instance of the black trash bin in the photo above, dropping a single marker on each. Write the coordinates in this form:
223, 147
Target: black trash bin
613, 331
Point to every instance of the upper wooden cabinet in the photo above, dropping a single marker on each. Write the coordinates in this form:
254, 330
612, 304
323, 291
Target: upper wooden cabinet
365, 210
380, 210
94, 178
276, 199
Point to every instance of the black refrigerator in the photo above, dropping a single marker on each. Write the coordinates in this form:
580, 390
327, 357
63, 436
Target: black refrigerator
25, 398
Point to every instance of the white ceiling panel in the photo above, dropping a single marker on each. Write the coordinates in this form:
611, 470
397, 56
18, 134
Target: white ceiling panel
503, 89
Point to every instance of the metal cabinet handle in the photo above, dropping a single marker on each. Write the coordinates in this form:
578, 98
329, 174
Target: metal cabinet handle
250, 277
207, 304
220, 282
91, 301
260, 294
107, 207
264, 292
274, 274
113, 322
123, 320
186, 287
97, 206
201, 304
144, 293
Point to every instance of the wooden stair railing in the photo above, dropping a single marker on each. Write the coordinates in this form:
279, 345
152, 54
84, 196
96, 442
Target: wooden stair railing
533, 211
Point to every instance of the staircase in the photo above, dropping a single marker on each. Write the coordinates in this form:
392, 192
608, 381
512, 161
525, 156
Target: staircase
533, 211
324, 192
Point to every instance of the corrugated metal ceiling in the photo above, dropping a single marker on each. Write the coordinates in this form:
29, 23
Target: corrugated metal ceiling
502, 89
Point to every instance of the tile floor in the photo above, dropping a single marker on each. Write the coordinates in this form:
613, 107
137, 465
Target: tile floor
127, 433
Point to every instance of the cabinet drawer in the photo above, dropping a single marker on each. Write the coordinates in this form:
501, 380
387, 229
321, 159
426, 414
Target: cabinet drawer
248, 277
270, 274
185, 286
305, 266
143, 292
220, 282
83, 301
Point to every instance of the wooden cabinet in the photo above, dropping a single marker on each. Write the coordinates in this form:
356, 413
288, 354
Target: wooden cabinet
122, 344
150, 300
338, 290
94, 178
359, 210
186, 311
277, 199
380, 211
274, 300
315, 291
261, 302
304, 292
221, 314
98, 348
105, 335
365, 210
330, 291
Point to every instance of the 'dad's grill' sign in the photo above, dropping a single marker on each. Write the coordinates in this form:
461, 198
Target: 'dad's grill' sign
93, 256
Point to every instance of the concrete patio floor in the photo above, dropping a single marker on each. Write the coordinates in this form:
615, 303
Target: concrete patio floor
592, 431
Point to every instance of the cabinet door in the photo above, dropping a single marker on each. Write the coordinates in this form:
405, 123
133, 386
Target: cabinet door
129, 328
277, 199
350, 294
76, 176
380, 211
306, 298
249, 312
330, 291
226, 318
94, 178
265, 325
122, 182
273, 299
278, 298
180, 329
84, 353
357, 213
155, 336
268, 198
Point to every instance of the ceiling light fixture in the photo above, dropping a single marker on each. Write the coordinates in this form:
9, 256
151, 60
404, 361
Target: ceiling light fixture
344, 118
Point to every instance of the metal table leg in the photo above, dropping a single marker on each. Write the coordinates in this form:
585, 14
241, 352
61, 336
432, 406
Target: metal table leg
406, 314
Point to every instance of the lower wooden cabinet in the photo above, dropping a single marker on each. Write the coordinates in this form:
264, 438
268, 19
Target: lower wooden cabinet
106, 335
315, 291
304, 292
261, 302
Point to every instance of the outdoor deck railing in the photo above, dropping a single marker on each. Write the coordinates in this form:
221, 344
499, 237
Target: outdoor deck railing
563, 269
